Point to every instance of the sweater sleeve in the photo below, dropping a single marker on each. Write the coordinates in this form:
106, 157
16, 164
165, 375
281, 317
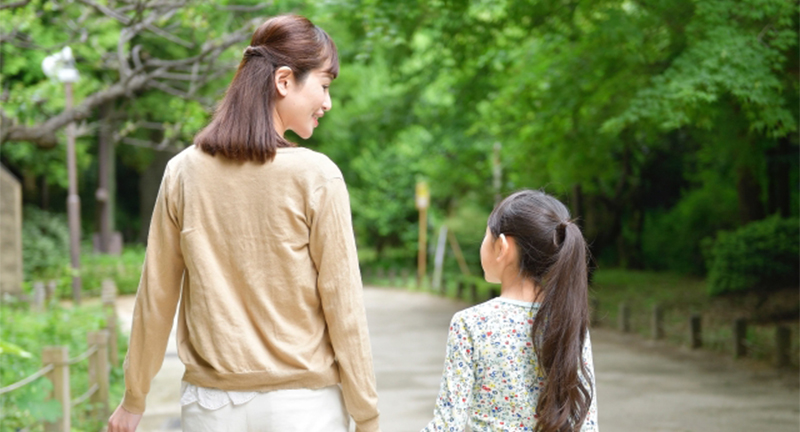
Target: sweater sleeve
333, 250
455, 393
156, 300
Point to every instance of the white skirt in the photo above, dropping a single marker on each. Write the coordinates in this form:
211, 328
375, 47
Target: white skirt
295, 410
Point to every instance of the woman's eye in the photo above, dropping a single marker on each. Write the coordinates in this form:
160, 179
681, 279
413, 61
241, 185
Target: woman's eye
326, 87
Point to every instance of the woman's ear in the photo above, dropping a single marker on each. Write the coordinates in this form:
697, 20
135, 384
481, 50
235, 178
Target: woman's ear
284, 78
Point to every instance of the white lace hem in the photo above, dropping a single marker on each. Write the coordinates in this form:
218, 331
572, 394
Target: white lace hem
211, 398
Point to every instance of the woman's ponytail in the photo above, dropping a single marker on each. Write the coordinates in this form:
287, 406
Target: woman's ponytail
553, 254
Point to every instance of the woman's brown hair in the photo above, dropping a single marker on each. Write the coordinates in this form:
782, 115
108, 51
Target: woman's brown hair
553, 254
242, 126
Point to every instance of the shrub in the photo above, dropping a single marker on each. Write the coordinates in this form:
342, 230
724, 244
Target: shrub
671, 240
23, 334
760, 256
45, 243
125, 270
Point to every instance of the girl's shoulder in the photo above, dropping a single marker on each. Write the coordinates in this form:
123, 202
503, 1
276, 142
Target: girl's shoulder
496, 309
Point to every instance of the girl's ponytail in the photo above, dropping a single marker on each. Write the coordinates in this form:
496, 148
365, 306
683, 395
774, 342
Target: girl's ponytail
553, 254
559, 333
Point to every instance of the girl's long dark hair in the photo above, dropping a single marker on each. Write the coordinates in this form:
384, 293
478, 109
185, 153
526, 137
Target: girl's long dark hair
553, 254
242, 127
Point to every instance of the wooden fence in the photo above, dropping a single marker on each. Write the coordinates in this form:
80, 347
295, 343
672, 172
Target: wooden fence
739, 327
56, 362
739, 331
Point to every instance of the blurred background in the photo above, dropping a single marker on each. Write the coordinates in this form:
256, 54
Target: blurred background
669, 127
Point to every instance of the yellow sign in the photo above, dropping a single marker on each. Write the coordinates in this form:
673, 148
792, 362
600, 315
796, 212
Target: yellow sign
423, 197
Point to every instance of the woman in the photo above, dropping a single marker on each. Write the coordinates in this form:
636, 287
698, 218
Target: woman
255, 235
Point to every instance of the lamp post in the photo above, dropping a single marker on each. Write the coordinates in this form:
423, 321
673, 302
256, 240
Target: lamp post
61, 67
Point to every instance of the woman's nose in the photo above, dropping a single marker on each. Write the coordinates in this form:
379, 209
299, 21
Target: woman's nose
326, 105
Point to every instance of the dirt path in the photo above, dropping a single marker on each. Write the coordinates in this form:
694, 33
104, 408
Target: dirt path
640, 386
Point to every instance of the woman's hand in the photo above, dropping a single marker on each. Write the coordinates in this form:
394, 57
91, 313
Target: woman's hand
123, 421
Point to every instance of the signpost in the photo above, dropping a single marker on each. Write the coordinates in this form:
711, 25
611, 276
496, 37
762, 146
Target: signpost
423, 201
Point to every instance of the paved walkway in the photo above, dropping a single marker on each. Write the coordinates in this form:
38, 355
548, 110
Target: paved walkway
640, 387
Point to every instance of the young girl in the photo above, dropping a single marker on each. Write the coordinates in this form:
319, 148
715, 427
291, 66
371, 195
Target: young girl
523, 361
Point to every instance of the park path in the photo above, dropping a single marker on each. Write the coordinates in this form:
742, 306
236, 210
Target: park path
641, 387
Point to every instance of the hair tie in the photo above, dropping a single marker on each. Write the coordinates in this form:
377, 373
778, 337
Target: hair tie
560, 232
253, 51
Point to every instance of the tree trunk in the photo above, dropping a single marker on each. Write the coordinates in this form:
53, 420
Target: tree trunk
44, 195
779, 165
749, 191
577, 202
149, 184
106, 190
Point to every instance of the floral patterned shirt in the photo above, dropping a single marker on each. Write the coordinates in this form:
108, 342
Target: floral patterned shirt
492, 378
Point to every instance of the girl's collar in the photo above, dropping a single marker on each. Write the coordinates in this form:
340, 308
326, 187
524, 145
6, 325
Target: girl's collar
518, 302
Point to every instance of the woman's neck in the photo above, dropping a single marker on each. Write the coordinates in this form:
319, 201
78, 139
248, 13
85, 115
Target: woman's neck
278, 124
518, 288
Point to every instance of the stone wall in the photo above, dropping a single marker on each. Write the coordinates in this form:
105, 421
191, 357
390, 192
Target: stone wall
10, 233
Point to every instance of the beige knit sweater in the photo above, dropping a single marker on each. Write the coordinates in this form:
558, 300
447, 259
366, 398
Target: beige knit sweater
263, 260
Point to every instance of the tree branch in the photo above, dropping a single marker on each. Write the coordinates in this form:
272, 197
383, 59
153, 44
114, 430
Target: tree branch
18, 4
44, 134
163, 145
244, 8
144, 74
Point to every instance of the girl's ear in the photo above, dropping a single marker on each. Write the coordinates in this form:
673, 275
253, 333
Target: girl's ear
503, 247
284, 78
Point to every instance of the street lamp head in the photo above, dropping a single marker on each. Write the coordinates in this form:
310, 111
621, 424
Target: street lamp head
61, 66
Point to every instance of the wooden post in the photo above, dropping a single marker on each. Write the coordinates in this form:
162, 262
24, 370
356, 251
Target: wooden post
404, 277
59, 376
695, 332
380, 275
594, 308
658, 322
460, 290
473, 293
783, 345
739, 337
109, 296
624, 318
462, 263
98, 373
52, 288
392, 280
422, 253
422, 201
108, 292
438, 262
38, 296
